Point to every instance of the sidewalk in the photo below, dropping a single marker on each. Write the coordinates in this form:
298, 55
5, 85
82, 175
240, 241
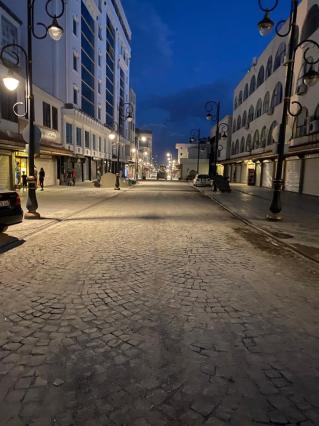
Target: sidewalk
56, 203
300, 226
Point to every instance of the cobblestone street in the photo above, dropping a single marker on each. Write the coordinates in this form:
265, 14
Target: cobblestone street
157, 307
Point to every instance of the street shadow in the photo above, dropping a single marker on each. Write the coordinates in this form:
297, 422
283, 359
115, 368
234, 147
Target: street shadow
8, 242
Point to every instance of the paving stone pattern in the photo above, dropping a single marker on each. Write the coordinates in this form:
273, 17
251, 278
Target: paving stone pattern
157, 308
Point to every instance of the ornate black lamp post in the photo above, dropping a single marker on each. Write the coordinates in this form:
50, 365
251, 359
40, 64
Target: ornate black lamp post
11, 83
195, 137
311, 77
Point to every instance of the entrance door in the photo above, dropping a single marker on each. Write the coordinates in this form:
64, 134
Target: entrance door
5, 181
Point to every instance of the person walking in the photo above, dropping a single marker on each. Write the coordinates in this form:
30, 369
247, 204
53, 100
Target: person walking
41, 178
73, 176
24, 181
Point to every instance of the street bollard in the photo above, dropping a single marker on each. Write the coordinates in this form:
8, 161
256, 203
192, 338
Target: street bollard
117, 182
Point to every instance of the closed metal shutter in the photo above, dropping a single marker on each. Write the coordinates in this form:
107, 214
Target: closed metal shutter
293, 168
5, 172
311, 178
258, 174
268, 168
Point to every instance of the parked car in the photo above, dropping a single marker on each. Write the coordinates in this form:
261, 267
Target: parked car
11, 212
202, 180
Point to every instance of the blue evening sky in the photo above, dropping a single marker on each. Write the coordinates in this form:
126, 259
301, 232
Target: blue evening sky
186, 52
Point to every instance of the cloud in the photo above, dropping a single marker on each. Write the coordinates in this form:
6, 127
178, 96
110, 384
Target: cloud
189, 103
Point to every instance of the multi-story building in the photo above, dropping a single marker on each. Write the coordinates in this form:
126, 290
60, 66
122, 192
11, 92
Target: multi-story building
87, 72
257, 112
193, 157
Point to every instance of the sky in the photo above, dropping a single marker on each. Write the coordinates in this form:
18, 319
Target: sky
188, 52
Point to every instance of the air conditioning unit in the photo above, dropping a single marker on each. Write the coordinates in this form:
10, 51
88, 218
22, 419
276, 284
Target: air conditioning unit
301, 89
314, 127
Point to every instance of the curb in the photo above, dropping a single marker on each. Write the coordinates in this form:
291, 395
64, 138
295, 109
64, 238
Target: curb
258, 229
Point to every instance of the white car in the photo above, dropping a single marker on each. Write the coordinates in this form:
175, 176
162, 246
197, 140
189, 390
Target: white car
202, 180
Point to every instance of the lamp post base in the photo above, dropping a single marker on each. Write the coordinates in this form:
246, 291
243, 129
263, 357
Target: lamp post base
32, 215
117, 182
274, 217
274, 214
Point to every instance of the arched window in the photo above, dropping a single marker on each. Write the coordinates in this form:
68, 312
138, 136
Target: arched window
246, 91
242, 144
300, 125
235, 103
244, 120
240, 98
276, 95
261, 76
270, 139
234, 125
238, 122
280, 56
237, 147
233, 148
259, 108
248, 143
252, 86
266, 103
263, 137
269, 67
311, 23
316, 114
256, 140
251, 114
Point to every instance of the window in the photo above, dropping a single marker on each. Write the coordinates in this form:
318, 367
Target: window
246, 91
242, 144
100, 5
280, 56
94, 143
266, 103
261, 76
100, 33
300, 126
238, 122
75, 61
256, 140
55, 118
87, 139
240, 98
99, 59
75, 26
68, 133
270, 139
99, 112
244, 120
9, 34
75, 95
235, 103
269, 67
237, 147
316, 114
277, 95
99, 83
46, 114
259, 107
234, 126
251, 114
7, 100
100, 144
78, 136
248, 143
263, 137
311, 23
252, 86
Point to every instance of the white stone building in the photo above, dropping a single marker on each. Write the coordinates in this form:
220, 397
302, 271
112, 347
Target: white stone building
87, 72
258, 104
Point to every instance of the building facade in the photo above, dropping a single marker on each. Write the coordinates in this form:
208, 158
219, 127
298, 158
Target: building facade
144, 152
86, 75
257, 113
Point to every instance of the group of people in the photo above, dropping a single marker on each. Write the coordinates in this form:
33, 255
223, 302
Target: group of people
41, 176
70, 177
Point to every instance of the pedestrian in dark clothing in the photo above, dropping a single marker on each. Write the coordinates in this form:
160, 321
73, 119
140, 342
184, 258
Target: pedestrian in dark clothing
24, 181
41, 177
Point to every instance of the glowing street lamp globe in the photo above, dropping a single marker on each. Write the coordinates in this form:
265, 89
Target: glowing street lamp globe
10, 82
55, 30
112, 136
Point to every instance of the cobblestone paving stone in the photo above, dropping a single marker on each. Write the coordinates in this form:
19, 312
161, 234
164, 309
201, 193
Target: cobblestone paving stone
157, 308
